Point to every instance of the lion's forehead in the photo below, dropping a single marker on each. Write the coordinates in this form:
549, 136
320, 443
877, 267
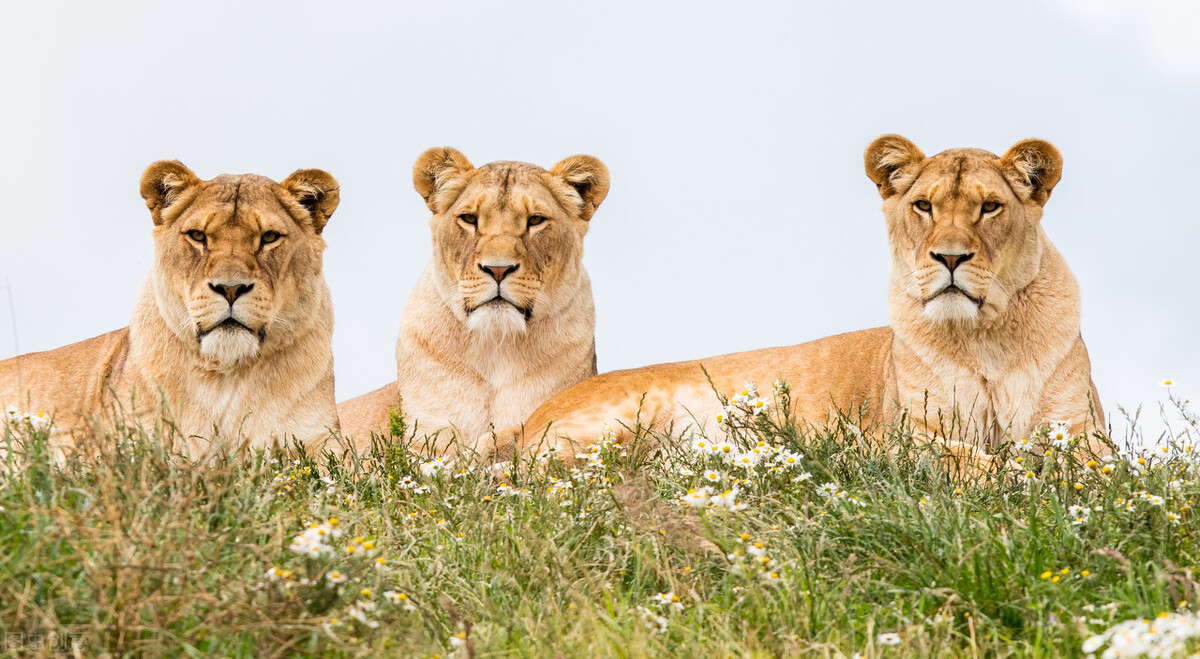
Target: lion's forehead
962, 174
507, 189
238, 208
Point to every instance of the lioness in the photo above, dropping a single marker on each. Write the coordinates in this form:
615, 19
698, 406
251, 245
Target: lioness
502, 317
984, 322
230, 337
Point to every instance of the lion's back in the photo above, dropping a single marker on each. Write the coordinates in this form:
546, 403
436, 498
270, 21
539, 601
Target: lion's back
65, 380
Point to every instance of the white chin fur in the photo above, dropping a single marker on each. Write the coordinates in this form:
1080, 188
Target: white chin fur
951, 308
229, 347
497, 320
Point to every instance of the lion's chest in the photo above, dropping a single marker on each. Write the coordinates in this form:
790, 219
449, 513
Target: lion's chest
242, 410
978, 396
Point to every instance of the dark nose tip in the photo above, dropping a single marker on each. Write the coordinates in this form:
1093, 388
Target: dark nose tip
231, 291
499, 272
951, 261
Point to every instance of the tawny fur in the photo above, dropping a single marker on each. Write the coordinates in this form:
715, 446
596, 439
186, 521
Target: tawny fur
991, 360
475, 351
182, 359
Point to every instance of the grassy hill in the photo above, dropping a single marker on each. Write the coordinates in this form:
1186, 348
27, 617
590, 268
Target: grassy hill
813, 542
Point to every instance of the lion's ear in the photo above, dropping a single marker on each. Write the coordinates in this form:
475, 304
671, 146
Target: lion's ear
589, 178
1033, 167
162, 185
434, 169
887, 160
317, 191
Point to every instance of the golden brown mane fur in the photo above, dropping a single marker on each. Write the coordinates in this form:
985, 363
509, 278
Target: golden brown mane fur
502, 317
230, 336
984, 340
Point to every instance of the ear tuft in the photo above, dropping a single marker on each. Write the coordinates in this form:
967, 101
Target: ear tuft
434, 169
887, 160
588, 177
163, 183
316, 191
1033, 167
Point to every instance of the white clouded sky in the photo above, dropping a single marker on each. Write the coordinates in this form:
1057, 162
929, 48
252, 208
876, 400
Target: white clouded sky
739, 215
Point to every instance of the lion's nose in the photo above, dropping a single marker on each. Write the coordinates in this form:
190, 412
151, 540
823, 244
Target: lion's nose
499, 272
951, 261
231, 290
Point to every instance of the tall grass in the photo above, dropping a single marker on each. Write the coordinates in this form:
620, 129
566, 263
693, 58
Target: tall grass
866, 540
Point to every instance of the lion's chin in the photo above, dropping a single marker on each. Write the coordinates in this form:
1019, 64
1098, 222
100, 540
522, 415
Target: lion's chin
229, 347
498, 320
952, 307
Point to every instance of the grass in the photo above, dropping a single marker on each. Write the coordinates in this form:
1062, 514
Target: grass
124, 549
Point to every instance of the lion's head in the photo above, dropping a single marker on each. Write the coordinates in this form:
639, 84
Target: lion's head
963, 225
508, 236
237, 265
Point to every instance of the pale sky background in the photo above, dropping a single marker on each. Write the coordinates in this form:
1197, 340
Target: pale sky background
739, 215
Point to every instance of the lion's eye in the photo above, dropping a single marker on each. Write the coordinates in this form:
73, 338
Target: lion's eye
197, 236
990, 206
467, 218
269, 237
923, 205
535, 220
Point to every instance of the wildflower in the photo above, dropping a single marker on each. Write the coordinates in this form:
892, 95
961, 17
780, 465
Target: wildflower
712, 476
315, 539
40, 421
275, 574
748, 391
669, 600
433, 467
394, 597
770, 577
748, 459
757, 549
1029, 477
1167, 383
889, 638
723, 417
1078, 514
780, 387
828, 490
359, 612
805, 476
702, 445
1166, 636
1025, 444
697, 498
788, 459
1060, 435
458, 640
1154, 500
336, 577
727, 500
759, 406
654, 622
